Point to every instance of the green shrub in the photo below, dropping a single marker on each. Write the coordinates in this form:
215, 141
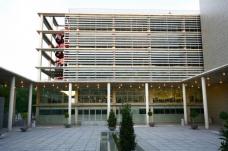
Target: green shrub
150, 113
66, 115
127, 135
112, 120
224, 138
223, 116
24, 115
194, 114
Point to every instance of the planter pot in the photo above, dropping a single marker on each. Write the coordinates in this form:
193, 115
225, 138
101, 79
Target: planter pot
24, 129
194, 126
151, 124
67, 125
112, 128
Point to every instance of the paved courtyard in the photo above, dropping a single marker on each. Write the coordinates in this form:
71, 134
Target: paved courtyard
161, 138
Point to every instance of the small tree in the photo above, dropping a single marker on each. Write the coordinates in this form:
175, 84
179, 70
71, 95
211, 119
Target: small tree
66, 115
24, 116
194, 114
112, 120
224, 131
151, 122
127, 135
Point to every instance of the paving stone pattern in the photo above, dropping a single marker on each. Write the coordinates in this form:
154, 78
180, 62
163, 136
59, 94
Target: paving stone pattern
87, 138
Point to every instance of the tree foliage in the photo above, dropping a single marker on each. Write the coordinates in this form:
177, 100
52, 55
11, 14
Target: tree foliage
224, 138
112, 120
127, 135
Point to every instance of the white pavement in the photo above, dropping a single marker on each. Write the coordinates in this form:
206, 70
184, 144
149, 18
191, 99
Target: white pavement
161, 138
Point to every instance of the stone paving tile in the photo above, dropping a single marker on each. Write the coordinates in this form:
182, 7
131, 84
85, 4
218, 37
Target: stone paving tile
175, 138
87, 138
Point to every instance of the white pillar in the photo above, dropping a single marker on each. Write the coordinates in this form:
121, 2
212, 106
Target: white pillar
108, 99
69, 102
204, 92
76, 107
185, 104
11, 103
147, 102
30, 105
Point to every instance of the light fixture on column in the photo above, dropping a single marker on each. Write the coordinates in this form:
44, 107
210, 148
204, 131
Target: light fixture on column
130, 86
121, 84
44, 86
164, 85
22, 82
224, 73
65, 86
192, 86
198, 87
57, 87
98, 86
5, 85
87, 86
119, 87
208, 84
22, 86
159, 87
196, 82
53, 84
178, 87
220, 81
208, 78
151, 86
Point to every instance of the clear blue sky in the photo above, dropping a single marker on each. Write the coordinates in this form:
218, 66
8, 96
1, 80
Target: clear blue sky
19, 22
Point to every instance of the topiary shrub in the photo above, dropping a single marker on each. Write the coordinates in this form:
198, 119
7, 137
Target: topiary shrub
151, 122
66, 115
224, 131
112, 121
127, 135
194, 114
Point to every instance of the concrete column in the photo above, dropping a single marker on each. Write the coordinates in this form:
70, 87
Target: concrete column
113, 96
205, 108
37, 102
185, 104
76, 115
69, 102
76, 107
30, 105
147, 102
108, 99
11, 103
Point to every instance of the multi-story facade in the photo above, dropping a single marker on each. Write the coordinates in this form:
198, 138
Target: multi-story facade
96, 62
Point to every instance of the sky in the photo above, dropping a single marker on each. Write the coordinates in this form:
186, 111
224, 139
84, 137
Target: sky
19, 23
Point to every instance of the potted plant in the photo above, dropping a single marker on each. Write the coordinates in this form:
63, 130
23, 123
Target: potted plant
24, 116
66, 115
194, 114
112, 121
151, 122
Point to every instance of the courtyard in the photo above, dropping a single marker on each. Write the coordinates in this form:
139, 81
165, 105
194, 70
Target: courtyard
87, 138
